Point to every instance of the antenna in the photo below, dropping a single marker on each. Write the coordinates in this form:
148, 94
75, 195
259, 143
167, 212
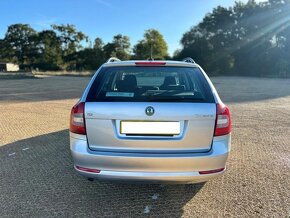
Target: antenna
151, 51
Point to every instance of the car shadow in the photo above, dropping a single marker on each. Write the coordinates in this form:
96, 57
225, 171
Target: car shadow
37, 179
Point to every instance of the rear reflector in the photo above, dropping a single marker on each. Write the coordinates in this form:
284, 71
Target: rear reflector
211, 171
223, 120
150, 63
88, 169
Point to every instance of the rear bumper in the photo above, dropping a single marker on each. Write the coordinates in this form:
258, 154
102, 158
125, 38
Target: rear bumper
148, 177
169, 168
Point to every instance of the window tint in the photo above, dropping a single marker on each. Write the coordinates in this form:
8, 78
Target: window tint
150, 84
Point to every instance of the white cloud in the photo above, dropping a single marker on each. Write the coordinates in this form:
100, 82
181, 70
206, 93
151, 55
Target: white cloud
46, 23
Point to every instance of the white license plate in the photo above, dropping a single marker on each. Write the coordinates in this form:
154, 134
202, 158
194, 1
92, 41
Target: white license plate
150, 128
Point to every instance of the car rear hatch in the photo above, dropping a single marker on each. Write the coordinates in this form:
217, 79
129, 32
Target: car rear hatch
190, 127
150, 110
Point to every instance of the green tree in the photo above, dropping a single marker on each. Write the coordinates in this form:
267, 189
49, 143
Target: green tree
49, 48
4, 52
245, 39
20, 44
91, 58
98, 44
71, 40
119, 47
153, 45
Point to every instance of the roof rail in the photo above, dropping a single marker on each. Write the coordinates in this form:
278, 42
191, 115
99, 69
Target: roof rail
188, 60
113, 59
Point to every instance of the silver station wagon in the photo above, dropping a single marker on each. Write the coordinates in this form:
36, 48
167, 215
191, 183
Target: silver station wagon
150, 121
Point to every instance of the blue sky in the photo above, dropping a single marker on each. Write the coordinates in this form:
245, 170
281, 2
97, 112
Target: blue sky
106, 18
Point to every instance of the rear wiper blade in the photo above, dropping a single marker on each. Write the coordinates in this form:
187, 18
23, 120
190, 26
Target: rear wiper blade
172, 98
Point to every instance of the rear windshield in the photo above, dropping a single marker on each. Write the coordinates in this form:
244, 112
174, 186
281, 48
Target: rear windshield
150, 84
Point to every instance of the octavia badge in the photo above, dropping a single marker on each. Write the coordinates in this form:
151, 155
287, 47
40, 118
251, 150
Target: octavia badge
149, 111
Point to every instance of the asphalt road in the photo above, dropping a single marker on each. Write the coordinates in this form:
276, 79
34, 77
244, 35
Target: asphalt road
37, 177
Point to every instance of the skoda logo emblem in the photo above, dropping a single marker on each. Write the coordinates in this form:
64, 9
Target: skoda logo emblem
149, 111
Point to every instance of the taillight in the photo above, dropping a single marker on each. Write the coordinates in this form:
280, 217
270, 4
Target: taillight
77, 119
223, 124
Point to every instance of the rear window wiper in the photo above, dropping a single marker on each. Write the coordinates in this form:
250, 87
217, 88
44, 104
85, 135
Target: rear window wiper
174, 99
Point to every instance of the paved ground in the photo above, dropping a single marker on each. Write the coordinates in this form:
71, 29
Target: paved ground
37, 178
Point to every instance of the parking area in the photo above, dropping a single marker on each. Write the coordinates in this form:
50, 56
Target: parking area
37, 178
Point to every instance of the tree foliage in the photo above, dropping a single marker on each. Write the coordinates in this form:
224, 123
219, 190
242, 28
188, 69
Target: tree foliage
243, 40
153, 45
49, 56
248, 39
19, 43
69, 36
119, 47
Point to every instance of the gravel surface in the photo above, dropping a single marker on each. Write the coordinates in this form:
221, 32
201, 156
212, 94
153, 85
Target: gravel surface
37, 177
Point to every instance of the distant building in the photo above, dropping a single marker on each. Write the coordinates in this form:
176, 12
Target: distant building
8, 67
